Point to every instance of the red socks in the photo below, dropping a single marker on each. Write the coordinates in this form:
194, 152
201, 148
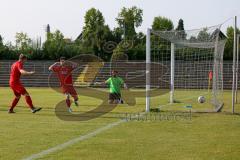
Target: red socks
29, 101
68, 102
14, 103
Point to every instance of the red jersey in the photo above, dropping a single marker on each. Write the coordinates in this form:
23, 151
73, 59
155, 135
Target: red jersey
15, 74
64, 74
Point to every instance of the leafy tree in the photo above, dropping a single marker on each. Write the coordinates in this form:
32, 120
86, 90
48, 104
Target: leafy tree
203, 35
162, 24
119, 55
1, 41
228, 51
2, 47
117, 35
129, 19
7, 51
54, 45
181, 31
71, 50
193, 39
138, 50
180, 26
95, 32
23, 42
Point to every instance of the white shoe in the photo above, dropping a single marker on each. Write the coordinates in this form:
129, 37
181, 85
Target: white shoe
34, 110
70, 110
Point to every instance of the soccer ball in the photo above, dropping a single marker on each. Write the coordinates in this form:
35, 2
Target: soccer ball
201, 99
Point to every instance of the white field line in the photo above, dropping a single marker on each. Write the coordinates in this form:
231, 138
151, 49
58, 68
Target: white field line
73, 141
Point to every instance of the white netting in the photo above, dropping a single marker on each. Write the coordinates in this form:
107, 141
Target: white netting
196, 53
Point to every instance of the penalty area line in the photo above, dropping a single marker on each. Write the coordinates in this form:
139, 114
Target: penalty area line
73, 141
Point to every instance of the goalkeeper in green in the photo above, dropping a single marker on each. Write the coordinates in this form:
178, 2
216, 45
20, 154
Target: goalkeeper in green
115, 83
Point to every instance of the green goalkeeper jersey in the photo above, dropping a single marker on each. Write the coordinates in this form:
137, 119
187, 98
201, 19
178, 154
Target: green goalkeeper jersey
115, 84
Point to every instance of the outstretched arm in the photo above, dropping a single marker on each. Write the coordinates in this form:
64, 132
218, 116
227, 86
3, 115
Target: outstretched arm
51, 67
102, 83
24, 72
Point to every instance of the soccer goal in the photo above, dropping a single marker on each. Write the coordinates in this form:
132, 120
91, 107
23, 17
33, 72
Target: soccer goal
189, 65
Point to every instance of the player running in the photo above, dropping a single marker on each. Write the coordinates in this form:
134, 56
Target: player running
115, 83
64, 69
16, 85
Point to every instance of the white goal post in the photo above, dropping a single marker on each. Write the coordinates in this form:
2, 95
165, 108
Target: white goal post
237, 69
235, 65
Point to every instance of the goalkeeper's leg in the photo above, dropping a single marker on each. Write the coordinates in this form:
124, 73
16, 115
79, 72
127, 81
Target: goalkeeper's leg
111, 98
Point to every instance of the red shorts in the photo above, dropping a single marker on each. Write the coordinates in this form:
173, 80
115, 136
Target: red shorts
18, 89
69, 90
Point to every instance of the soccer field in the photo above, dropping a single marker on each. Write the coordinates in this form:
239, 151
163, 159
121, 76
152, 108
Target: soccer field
25, 135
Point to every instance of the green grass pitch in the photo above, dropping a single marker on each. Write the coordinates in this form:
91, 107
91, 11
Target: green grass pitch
206, 136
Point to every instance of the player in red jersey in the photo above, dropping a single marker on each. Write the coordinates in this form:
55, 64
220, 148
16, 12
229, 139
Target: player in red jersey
16, 85
64, 69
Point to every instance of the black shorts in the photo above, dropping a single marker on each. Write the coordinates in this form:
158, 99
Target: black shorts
114, 96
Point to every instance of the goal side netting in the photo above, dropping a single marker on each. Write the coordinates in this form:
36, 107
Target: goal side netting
189, 65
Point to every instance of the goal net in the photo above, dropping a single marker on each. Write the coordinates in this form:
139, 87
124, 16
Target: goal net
190, 65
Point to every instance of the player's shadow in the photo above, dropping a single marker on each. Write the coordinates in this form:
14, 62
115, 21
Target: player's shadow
129, 98
101, 109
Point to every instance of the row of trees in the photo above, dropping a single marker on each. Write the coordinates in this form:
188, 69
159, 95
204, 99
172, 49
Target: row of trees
97, 38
